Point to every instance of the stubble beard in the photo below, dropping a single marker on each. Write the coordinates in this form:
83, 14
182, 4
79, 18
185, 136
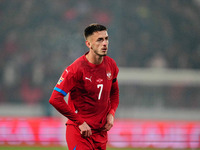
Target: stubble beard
101, 55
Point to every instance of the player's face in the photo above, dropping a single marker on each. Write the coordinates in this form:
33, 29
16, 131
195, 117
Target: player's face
98, 43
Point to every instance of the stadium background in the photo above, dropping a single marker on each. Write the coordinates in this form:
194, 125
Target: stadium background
155, 43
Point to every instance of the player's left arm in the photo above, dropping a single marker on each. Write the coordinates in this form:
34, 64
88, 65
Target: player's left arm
114, 100
114, 97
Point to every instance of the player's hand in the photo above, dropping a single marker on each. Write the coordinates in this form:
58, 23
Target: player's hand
109, 123
85, 130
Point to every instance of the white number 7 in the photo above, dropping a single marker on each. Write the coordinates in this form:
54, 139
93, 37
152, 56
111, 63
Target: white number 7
101, 88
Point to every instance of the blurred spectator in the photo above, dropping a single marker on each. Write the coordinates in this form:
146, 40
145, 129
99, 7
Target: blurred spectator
158, 61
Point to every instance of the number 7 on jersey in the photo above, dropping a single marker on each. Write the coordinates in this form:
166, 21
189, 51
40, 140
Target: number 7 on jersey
100, 92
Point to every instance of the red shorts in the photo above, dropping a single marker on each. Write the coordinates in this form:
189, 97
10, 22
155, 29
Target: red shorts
97, 141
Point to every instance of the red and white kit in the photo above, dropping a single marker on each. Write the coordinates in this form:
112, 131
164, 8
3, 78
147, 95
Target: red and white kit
93, 93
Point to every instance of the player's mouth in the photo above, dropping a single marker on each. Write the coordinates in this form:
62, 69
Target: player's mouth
104, 49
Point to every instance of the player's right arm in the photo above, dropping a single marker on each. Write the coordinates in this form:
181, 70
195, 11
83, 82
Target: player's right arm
58, 102
66, 82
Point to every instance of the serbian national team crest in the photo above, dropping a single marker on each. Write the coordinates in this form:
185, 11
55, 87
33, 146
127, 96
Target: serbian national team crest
60, 80
109, 75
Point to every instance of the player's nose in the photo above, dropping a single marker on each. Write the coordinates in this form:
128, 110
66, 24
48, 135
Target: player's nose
105, 42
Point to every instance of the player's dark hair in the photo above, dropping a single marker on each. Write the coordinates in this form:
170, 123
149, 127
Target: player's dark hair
93, 28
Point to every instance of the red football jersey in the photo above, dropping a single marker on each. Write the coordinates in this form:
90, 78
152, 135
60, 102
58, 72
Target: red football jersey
91, 92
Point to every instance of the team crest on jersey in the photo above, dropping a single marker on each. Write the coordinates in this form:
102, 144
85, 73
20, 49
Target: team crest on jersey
60, 80
109, 75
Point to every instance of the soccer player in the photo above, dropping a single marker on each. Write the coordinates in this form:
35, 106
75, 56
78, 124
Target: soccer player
93, 93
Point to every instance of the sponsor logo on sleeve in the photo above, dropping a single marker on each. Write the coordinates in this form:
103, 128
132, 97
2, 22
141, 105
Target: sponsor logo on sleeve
60, 80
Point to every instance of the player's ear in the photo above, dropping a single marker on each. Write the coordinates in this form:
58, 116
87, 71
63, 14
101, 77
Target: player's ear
88, 44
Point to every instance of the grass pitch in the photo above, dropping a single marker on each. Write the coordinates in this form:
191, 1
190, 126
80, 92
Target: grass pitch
47, 148
65, 148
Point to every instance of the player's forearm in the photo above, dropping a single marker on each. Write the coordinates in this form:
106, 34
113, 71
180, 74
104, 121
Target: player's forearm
57, 100
114, 97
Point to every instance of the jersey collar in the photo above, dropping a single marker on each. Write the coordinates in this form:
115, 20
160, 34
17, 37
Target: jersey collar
91, 64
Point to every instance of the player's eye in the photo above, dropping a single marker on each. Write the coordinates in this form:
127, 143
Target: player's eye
100, 39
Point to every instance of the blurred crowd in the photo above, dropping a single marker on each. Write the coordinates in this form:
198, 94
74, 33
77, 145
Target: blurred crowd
38, 39
160, 34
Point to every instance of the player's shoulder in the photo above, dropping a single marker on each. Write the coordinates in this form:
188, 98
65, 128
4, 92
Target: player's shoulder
113, 65
110, 60
78, 61
76, 65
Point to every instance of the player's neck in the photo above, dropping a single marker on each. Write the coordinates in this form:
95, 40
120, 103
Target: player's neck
94, 58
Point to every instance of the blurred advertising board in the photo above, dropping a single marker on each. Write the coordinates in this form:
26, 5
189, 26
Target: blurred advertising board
125, 133
158, 134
